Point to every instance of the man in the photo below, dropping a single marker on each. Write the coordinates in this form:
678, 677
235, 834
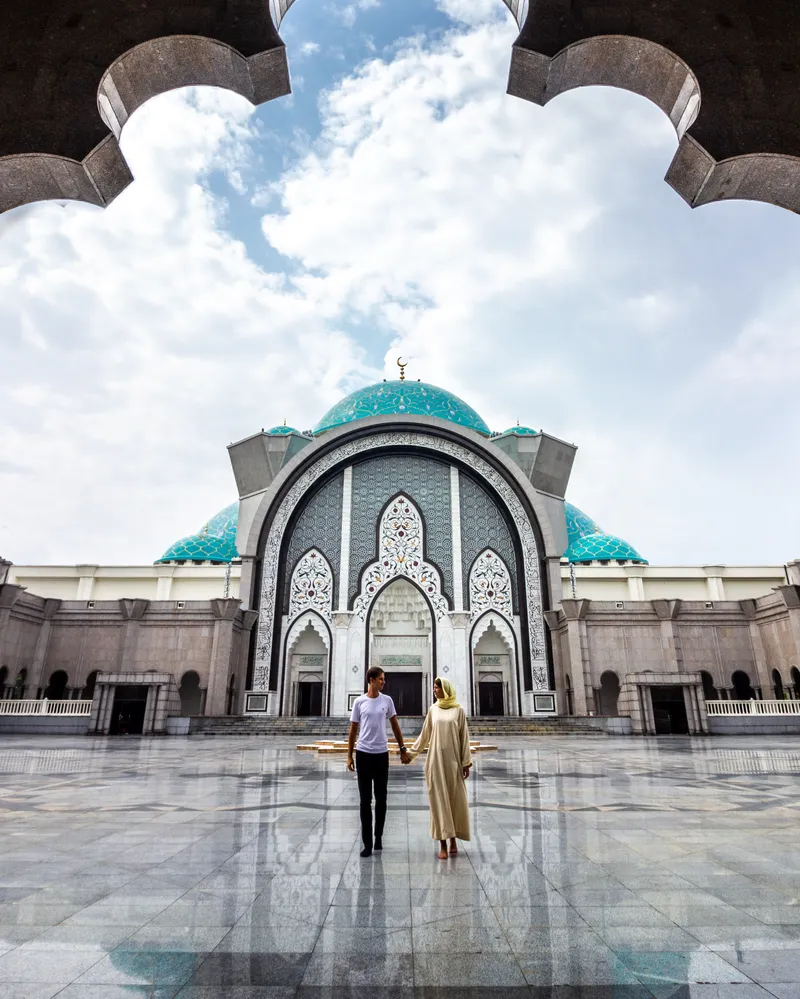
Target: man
368, 738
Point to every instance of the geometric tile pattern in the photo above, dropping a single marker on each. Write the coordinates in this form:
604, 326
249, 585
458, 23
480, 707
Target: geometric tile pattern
402, 398
425, 481
603, 546
489, 585
483, 525
216, 542
318, 526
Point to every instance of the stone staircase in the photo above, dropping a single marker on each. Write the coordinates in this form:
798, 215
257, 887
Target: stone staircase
314, 728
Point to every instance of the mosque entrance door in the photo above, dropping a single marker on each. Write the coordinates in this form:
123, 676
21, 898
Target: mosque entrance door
490, 697
669, 711
405, 689
127, 716
309, 698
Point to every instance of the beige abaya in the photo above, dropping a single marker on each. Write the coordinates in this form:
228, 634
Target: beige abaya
446, 737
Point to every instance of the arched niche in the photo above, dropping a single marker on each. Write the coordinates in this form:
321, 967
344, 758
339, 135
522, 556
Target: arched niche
493, 660
307, 666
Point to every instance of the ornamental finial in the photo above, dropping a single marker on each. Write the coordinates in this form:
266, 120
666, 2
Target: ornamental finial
402, 365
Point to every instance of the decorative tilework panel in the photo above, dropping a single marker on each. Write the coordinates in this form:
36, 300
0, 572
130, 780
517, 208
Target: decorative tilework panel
426, 482
484, 526
319, 526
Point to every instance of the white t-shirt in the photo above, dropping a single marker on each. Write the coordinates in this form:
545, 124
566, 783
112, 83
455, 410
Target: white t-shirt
371, 715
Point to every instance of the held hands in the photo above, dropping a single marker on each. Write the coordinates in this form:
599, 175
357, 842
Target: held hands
405, 756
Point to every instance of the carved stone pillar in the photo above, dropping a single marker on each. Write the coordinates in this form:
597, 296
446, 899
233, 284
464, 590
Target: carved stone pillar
132, 612
224, 610
667, 612
575, 612
38, 669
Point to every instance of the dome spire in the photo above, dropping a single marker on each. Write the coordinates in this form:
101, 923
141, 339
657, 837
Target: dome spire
402, 365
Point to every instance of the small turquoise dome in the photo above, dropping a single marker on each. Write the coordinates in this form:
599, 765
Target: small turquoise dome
579, 524
521, 431
401, 398
602, 547
275, 431
215, 543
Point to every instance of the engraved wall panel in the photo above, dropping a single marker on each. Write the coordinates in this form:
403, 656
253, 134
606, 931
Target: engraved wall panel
319, 526
426, 482
483, 526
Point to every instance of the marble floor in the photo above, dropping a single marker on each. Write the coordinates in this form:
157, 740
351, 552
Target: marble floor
207, 867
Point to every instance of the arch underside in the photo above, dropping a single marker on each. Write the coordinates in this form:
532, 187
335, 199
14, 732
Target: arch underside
728, 82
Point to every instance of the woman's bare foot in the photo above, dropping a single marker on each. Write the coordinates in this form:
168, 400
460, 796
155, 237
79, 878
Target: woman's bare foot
442, 849
453, 847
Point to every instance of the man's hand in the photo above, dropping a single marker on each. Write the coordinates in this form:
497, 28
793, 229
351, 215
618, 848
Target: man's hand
350, 763
405, 756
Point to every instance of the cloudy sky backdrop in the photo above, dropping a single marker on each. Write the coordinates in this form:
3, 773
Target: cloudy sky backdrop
268, 261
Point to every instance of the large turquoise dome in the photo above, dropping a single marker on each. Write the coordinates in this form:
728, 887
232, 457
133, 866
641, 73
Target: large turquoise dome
603, 548
402, 398
215, 543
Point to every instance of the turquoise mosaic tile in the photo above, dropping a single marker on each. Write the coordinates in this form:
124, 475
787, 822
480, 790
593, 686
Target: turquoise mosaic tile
216, 542
401, 398
604, 547
521, 431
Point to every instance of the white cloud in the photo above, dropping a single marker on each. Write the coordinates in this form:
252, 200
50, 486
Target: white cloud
350, 11
309, 48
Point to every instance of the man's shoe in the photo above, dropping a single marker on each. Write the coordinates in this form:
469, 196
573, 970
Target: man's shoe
378, 843
366, 852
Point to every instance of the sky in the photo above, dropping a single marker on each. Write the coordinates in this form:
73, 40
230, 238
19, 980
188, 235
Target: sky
267, 261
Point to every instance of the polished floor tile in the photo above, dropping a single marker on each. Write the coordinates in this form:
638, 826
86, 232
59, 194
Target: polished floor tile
229, 869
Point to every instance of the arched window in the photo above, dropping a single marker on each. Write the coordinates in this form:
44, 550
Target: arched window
3, 680
609, 693
795, 674
190, 694
18, 689
777, 685
709, 690
56, 689
742, 688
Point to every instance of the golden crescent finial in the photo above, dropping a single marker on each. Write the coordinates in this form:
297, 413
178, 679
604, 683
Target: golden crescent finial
402, 365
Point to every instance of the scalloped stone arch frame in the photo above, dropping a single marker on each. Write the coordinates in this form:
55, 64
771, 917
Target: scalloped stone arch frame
538, 73
296, 629
337, 448
506, 630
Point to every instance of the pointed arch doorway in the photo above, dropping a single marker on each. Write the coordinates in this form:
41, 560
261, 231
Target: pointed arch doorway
400, 641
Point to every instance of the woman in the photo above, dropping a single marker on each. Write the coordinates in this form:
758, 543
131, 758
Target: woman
446, 737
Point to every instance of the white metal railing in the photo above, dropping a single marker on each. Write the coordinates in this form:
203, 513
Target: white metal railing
45, 707
753, 707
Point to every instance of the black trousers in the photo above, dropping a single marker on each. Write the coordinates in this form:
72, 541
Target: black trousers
372, 769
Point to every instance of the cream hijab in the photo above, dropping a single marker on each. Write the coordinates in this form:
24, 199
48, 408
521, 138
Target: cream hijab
449, 691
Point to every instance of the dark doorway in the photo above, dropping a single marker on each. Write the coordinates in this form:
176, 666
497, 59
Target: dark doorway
669, 711
309, 698
490, 697
777, 684
127, 715
796, 681
709, 690
190, 695
405, 689
742, 688
3, 680
87, 694
609, 694
57, 688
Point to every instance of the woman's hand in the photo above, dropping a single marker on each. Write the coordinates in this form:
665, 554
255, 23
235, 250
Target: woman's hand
465, 771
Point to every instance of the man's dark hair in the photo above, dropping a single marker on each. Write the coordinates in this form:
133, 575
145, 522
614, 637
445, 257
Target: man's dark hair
373, 673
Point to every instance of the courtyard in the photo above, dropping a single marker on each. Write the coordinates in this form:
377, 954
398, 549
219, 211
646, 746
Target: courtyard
210, 867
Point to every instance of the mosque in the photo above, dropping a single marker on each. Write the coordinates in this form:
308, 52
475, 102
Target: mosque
402, 532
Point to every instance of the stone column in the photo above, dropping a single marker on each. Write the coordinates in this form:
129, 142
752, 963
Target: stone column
38, 668
635, 582
763, 678
714, 583
341, 669
667, 612
86, 575
462, 657
164, 574
224, 610
132, 612
249, 619
575, 612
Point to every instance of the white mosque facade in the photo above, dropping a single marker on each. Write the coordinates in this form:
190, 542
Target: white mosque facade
400, 532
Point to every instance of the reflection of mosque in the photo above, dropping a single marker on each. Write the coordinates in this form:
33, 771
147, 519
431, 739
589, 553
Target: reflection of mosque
402, 532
